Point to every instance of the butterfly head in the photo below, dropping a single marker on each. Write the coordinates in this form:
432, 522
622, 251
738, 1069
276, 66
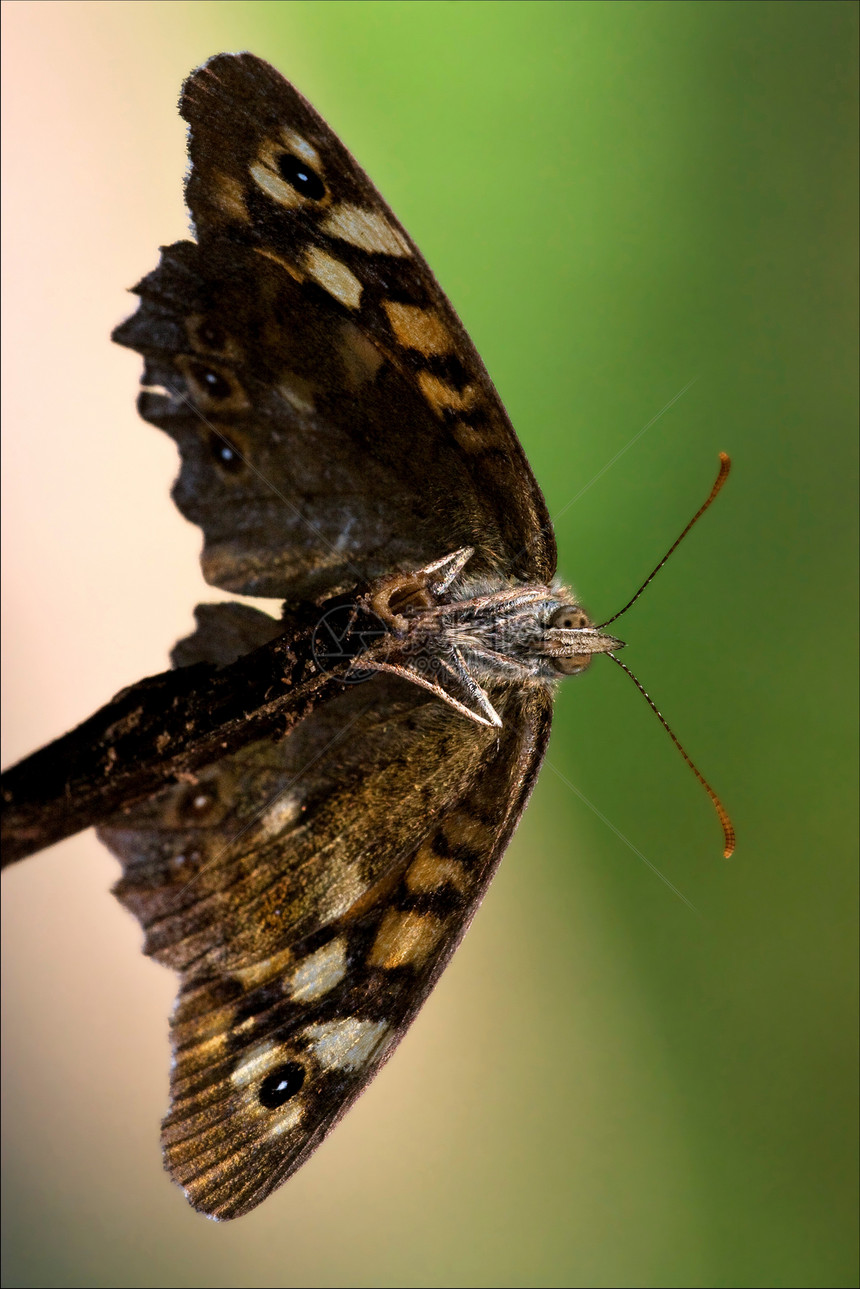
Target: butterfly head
528, 634
570, 641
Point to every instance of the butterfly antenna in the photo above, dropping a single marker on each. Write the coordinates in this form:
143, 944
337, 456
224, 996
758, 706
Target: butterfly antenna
725, 466
723, 814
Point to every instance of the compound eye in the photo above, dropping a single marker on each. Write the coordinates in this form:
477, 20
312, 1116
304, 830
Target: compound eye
570, 616
572, 666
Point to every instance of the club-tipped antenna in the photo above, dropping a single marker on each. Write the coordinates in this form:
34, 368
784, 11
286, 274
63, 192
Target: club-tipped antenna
725, 466
722, 813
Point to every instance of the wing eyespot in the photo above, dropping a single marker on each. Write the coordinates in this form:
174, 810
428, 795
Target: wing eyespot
226, 454
198, 805
215, 385
207, 337
211, 387
281, 1085
211, 335
299, 175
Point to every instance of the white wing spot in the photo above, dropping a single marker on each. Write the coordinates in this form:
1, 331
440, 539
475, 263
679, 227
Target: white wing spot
300, 147
366, 229
274, 186
317, 974
284, 811
257, 1063
334, 277
345, 1044
287, 1118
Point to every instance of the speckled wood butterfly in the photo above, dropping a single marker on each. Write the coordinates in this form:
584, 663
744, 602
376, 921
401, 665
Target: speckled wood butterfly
337, 430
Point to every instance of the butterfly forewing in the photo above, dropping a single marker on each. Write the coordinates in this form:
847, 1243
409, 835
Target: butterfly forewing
309, 332
289, 186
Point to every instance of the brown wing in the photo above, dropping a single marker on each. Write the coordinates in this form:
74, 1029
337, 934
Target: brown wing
333, 416
310, 892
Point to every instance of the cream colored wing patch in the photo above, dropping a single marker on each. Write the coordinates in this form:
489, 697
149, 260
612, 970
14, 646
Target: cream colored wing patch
366, 229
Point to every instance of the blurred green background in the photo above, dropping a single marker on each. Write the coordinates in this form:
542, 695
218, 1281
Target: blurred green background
609, 1087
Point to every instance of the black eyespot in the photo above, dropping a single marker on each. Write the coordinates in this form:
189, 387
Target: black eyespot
211, 335
298, 173
281, 1085
212, 381
225, 453
197, 805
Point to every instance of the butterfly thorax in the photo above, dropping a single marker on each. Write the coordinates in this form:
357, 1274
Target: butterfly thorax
460, 637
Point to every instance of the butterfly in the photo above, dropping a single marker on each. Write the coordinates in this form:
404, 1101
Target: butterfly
337, 430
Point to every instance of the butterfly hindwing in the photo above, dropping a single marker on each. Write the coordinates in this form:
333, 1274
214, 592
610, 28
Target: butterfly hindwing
304, 955
285, 835
265, 1065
